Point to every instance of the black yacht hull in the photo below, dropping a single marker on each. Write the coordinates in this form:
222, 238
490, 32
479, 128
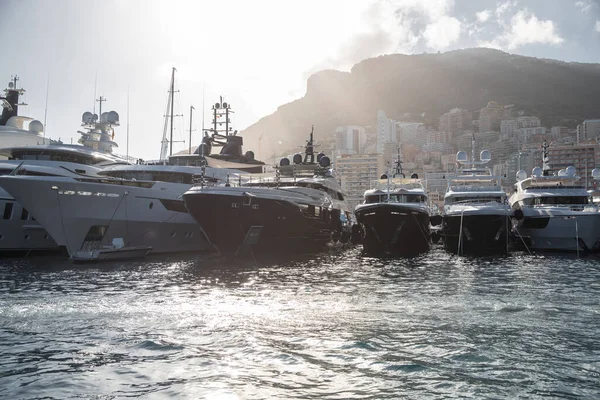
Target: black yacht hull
479, 234
393, 230
235, 224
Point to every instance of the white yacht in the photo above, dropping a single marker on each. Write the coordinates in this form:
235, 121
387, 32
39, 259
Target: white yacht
394, 217
84, 213
476, 215
555, 212
301, 209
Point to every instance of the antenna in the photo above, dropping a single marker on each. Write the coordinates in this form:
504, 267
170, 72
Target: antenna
95, 85
46, 109
100, 100
191, 109
127, 146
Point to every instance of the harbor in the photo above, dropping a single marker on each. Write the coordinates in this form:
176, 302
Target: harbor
299, 200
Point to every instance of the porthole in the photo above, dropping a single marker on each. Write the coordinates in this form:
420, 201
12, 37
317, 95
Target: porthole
151, 205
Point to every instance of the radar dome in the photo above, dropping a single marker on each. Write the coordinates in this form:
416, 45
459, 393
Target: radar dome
319, 156
36, 126
414, 176
95, 117
562, 172
537, 172
596, 173
485, 156
521, 175
10, 85
383, 176
104, 117
325, 162
250, 155
87, 117
284, 162
113, 117
297, 158
571, 171
461, 156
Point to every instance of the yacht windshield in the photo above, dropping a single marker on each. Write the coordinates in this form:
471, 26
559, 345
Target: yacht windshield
556, 200
396, 198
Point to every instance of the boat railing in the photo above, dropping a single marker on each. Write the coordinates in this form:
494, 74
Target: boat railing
569, 207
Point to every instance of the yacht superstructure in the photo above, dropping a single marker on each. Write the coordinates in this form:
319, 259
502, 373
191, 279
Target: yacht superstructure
555, 212
300, 209
394, 216
476, 216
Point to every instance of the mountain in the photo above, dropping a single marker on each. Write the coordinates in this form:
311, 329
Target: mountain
560, 93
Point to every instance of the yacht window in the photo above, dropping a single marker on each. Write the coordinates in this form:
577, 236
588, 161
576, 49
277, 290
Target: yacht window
561, 200
8, 209
373, 199
496, 199
24, 214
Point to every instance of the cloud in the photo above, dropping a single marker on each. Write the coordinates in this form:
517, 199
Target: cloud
585, 6
442, 33
524, 28
597, 27
483, 16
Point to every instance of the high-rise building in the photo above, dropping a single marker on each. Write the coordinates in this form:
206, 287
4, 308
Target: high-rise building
386, 130
559, 131
528, 122
414, 133
588, 130
508, 128
526, 134
350, 139
455, 121
584, 157
490, 117
356, 172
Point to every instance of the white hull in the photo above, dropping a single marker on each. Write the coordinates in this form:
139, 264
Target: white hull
139, 215
562, 230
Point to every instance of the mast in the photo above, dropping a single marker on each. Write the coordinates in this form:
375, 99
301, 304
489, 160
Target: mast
191, 109
172, 91
127, 152
100, 100
46, 109
545, 163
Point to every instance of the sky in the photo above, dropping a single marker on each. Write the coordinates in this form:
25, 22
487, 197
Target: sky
257, 54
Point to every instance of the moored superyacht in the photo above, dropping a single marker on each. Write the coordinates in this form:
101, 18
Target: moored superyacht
555, 212
394, 217
300, 209
476, 217
139, 205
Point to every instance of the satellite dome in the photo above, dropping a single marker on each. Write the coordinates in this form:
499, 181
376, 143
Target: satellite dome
10, 85
461, 156
485, 156
324, 162
521, 175
284, 162
36, 126
87, 117
297, 158
319, 156
537, 172
571, 171
104, 117
113, 117
596, 173
562, 172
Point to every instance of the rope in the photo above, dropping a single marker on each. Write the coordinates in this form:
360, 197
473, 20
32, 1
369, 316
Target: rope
420, 227
113, 215
462, 214
524, 244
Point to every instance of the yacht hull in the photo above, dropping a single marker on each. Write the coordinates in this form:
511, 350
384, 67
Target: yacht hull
547, 231
235, 223
85, 216
19, 232
390, 229
477, 234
